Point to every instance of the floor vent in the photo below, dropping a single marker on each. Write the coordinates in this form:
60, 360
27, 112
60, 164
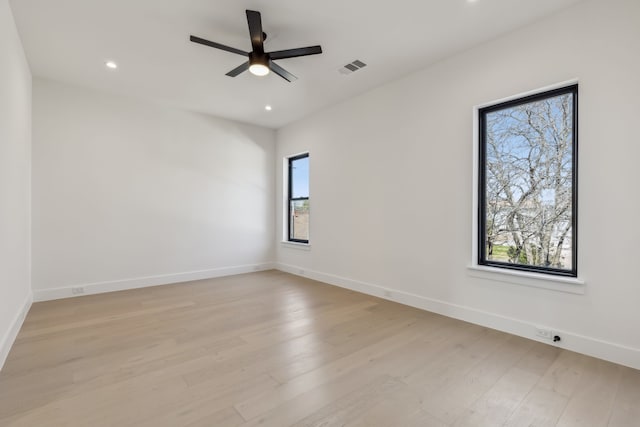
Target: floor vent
352, 67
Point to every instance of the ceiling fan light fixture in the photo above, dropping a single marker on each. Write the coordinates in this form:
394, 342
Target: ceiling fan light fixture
258, 64
259, 69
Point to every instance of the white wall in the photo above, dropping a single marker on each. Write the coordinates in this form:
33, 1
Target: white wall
15, 169
126, 193
391, 182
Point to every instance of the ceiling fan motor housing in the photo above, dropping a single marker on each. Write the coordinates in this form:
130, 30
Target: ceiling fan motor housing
258, 59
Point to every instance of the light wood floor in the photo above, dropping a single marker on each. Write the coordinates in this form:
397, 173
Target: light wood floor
278, 350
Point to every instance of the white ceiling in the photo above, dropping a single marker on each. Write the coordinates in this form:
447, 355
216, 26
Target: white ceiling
70, 40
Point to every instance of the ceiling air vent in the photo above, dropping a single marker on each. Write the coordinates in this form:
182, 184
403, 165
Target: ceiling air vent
352, 67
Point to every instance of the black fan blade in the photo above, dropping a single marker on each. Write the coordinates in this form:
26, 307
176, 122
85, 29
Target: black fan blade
282, 72
239, 69
292, 53
255, 31
218, 45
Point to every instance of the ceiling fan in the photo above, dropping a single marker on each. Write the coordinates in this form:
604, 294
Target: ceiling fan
260, 62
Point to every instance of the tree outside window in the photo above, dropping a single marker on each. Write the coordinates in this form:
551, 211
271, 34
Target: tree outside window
528, 204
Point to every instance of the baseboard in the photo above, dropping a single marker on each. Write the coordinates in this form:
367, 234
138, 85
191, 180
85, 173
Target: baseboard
590, 346
143, 282
10, 336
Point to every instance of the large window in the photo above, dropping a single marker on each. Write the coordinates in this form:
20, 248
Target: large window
527, 184
298, 199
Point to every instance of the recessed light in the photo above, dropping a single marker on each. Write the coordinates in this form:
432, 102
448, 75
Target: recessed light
268, 107
111, 64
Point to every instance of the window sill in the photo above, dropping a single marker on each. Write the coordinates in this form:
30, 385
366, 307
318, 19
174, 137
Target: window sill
296, 245
553, 283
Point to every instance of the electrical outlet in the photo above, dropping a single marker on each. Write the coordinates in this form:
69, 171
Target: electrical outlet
544, 333
77, 290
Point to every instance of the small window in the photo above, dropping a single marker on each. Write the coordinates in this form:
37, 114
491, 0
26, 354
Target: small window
298, 200
527, 183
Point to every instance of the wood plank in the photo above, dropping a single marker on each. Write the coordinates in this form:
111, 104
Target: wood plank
451, 398
541, 408
381, 402
495, 406
591, 403
626, 406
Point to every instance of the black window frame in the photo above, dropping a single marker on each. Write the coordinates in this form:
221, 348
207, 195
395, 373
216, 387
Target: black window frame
290, 199
482, 183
